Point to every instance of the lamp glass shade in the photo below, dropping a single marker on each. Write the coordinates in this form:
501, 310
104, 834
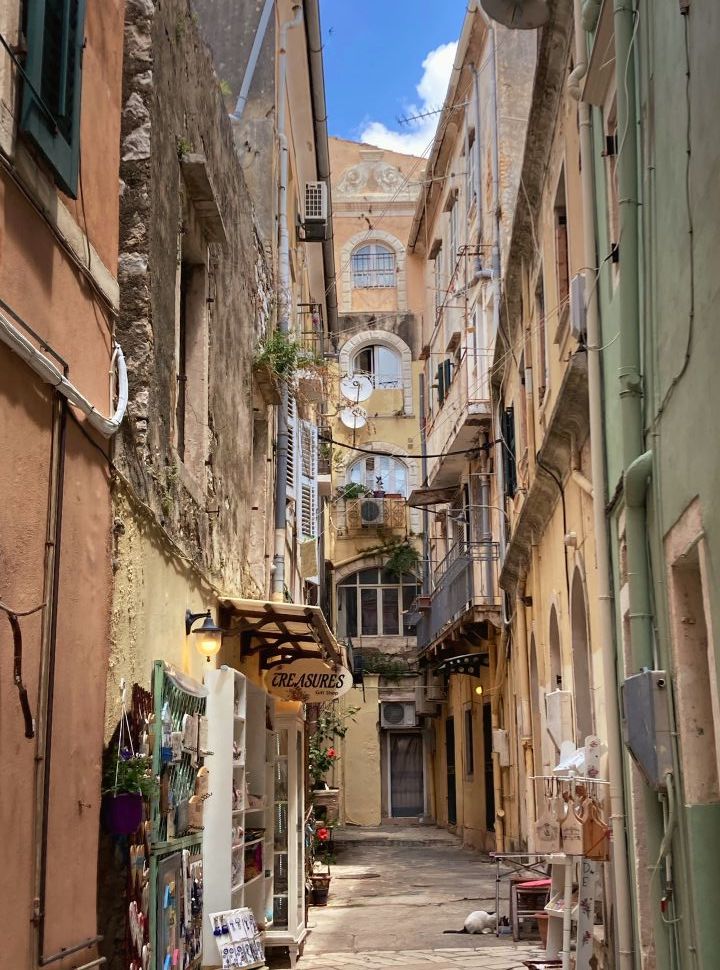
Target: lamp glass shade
208, 638
479, 690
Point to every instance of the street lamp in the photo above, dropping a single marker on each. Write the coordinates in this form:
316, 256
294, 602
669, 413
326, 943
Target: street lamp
209, 635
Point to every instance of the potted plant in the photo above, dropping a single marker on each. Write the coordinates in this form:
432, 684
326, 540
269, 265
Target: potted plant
352, 490
128, 781
331, 724
320, 876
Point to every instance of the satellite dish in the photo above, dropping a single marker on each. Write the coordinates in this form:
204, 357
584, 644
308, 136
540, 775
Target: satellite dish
356, 387
517, 14
354, 417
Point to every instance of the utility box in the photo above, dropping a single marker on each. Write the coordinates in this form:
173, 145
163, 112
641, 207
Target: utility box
646, 724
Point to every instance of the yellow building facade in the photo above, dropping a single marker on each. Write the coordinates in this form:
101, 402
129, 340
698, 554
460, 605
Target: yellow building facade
372, 539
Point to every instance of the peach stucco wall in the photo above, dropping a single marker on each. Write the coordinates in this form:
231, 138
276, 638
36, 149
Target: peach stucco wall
43, 285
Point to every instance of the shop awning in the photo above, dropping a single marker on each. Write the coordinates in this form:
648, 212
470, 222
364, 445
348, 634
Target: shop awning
421, 498
281, 632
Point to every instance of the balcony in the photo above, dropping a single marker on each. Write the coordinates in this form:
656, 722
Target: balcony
456, 423
369, 515
465, 587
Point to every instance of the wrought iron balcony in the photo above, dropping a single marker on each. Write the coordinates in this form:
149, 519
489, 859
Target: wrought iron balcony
464, 582
354, 516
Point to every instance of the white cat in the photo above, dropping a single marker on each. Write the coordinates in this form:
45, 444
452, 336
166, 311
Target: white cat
478, 922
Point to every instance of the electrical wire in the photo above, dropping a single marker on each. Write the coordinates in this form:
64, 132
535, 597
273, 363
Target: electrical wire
388, 454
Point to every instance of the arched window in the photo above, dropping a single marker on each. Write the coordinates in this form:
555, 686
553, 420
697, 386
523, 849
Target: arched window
380, 363
373, 267
371, 603
582, 673
380, 473
555, 655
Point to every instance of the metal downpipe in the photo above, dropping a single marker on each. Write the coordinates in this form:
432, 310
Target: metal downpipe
526, 738
622, 910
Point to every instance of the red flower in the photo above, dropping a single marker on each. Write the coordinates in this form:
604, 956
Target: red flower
323, 834
331, 752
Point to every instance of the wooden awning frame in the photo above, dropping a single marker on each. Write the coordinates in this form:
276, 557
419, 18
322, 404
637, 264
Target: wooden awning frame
281, 632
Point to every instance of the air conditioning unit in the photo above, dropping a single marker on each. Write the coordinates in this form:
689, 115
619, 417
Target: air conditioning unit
315, 209
371, 511
315, 212
558, 709
578, 316
501, 746
398, 714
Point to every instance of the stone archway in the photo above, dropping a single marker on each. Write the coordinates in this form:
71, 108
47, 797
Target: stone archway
391, 340
582, 675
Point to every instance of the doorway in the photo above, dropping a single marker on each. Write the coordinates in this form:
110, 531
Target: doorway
450, 759
407, 779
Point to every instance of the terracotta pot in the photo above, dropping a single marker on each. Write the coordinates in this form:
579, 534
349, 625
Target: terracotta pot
122, 813
320, 890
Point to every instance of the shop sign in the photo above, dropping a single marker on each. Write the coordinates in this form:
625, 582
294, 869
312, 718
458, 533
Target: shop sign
308, 680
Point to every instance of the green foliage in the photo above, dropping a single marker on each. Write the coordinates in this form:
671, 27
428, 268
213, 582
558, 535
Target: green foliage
332, 724
391, 668
284, 356
129, 773
184, 147
352, 490
225, 89
403, 558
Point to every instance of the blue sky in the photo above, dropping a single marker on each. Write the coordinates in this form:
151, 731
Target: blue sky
376, 55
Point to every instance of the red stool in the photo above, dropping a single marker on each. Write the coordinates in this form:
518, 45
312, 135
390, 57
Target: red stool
526, 899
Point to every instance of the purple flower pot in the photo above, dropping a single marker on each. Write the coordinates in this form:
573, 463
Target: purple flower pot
122, 813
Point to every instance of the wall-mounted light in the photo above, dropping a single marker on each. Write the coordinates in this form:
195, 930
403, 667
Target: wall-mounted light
209, 636
479, 690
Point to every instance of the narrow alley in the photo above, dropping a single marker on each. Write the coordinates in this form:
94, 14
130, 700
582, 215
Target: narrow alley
359, 518
395, 892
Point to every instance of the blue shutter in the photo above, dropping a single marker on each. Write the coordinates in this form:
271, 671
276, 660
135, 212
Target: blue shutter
50, 111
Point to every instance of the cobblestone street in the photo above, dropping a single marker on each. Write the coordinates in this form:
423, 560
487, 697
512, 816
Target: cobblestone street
394, 893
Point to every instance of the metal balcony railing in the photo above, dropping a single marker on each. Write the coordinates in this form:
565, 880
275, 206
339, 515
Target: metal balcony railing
466, 578
354, 516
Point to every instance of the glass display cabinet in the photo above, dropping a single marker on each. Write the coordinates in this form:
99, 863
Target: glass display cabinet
288, 927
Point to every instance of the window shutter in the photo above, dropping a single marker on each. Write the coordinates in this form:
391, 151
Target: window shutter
508, 434
292, 447
441, 383
308, 485
50, 111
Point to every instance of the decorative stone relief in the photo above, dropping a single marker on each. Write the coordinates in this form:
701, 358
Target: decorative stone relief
374, 177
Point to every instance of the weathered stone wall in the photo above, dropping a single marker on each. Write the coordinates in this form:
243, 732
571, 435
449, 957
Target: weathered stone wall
173, 107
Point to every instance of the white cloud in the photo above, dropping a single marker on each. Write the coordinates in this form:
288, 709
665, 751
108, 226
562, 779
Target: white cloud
415, 138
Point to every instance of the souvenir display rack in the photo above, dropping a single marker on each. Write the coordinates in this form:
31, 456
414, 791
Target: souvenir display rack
238, 819
175, 912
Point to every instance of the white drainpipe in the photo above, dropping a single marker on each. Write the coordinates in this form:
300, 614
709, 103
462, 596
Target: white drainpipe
48, 372
284, 297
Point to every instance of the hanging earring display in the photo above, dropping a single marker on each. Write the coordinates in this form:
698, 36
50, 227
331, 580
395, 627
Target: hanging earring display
571, 830
547, 827
596, 833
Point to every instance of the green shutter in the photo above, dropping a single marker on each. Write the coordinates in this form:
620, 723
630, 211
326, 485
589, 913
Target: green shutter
50, 113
